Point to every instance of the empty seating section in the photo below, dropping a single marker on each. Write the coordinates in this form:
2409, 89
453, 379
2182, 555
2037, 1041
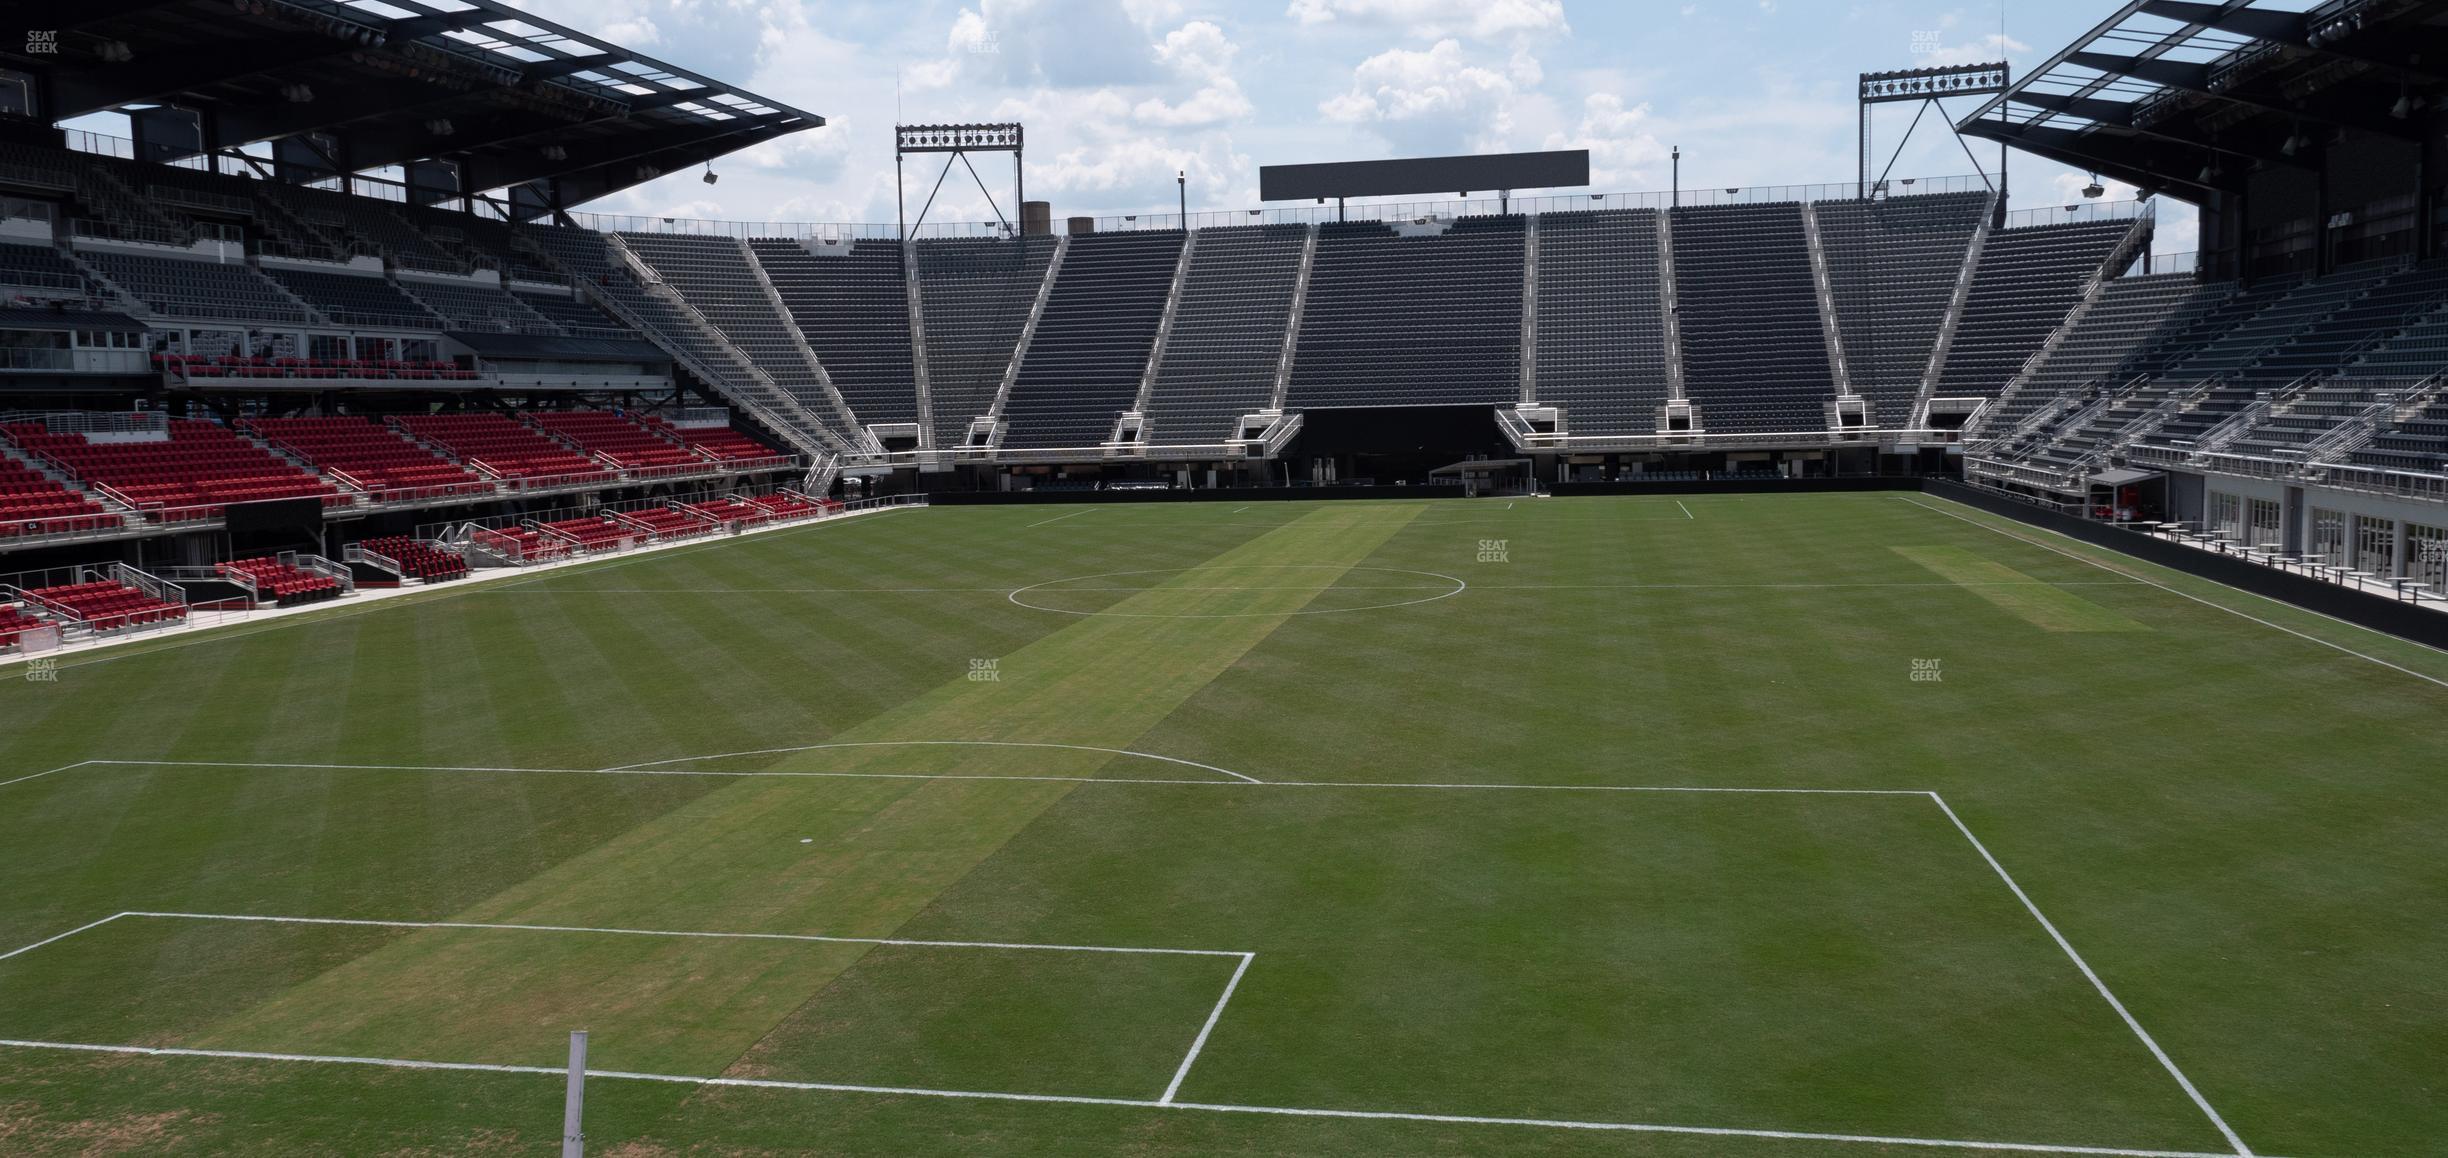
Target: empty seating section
370, 457
1754, 357
504, 447
1601, 329
36, 271
2028, 281
106, 605
419, 559
520, 544
281, 583
268, 366
201, 467
720, 443
2081, 439
852, 305
2206, 409
186, 287
16, 622
782, 506
32, 503
2291, 428
666, 523
1090, 349
615, 438
588, 259
1394, 320
1893, 266
975, 294
364, 226
573, 314
2417, 442
714, 275
1228, 333
2337, 340
2236, 350
732, 512
2419, 348
2180, 341
593, 533
469, 305
2129, 312
353, 299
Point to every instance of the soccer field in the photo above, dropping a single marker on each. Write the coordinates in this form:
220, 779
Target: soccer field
1744, 825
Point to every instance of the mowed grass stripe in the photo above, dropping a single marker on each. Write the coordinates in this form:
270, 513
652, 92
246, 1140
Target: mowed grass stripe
877, 853
2039, 604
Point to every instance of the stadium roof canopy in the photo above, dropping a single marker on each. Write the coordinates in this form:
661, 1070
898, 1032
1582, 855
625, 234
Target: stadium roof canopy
2187, 97
510, 98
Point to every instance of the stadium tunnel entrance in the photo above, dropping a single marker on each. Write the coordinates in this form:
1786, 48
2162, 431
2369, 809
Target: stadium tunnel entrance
1391, 445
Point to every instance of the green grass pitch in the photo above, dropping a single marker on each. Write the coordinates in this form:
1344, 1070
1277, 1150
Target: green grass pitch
1763, 826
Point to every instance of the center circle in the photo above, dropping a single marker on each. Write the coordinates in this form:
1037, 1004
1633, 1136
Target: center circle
1376, 597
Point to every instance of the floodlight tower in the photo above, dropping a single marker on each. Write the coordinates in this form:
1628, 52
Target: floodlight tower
1930, 88
957, 142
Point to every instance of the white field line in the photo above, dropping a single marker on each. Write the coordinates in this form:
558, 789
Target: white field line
61, 936
1680, 507
1482, 787
1201, 1043
521, 928
2205, 602
1238, 780
2165, 1061
1236, 510
40, 775
735, 774
1181, 1073
1126, 1103
1059, 518
947, 744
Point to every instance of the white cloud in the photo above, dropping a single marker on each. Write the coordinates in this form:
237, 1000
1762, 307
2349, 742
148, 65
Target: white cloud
1478, 19
1197, 52
1434, 95
1621, 145
1978, 50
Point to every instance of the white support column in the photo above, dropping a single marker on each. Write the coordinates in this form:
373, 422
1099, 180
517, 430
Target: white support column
1292, 321
1529, 310
1028, 330
1164, 324
573, 1100
1670, 301
918, 347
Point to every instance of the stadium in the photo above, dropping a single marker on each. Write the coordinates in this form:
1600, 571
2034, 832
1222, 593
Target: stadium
1450, 660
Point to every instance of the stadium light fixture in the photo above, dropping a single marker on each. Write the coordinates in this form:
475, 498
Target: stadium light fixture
2404, 106
710, 175
2095, 190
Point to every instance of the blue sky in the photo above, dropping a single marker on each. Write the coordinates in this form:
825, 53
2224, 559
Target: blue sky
1119, 94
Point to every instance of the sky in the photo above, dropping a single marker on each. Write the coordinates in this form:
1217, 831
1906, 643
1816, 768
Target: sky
1119, 95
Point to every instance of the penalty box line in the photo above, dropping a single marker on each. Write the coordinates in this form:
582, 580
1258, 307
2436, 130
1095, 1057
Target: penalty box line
1125, 1103
718, 936
1238, 781
2125, 1015
1181, 1072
